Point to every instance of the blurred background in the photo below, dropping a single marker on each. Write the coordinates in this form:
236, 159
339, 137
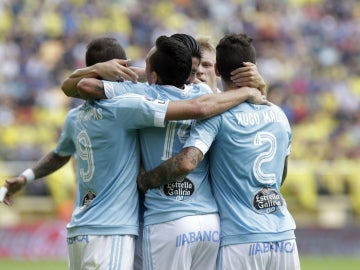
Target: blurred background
308, 53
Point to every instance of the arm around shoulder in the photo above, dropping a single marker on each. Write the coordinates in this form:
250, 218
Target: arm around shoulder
69, 86
90, 88
209, 105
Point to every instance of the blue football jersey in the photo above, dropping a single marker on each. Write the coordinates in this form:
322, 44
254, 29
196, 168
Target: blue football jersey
190, 196
249, 144
103, 135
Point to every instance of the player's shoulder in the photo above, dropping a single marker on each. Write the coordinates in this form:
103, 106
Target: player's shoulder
73, 111
115, 101
199, 88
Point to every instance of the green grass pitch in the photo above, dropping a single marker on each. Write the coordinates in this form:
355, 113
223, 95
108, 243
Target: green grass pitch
32, 265
307, 263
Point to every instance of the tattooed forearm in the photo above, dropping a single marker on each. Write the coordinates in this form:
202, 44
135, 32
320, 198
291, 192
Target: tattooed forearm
193, 155
49, 164
99, 86
174, 169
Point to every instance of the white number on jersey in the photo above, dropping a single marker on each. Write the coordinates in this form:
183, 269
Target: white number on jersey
86, 154
260, 139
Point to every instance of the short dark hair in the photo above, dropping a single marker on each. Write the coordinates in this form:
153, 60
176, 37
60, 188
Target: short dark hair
103, 49
171, 61
232, 51
189, 42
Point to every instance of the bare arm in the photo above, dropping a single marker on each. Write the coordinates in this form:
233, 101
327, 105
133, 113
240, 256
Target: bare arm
199, 108
91, 88
45, 166
285, 171
248, 76
49, 164
140, 73
209, 105
112, 70
171, 170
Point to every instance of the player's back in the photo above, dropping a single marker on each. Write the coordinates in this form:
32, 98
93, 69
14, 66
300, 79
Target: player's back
246, 164
192, 194
104, 136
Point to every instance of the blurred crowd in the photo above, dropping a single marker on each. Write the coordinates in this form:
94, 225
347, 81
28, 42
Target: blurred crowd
308, 52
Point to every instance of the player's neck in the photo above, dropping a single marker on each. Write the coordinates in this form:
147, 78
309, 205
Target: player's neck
228, 85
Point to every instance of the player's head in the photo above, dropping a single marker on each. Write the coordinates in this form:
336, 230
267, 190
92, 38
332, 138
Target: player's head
231, 51
206, 71
103, 49
168, 63
194, 48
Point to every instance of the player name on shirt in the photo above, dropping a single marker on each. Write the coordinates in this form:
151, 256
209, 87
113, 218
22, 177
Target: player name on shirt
256, 118
89, 113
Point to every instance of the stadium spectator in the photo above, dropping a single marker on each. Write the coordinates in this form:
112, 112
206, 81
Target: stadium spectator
253, 214
41, 42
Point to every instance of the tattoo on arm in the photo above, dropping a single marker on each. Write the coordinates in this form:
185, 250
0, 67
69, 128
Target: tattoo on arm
174, 169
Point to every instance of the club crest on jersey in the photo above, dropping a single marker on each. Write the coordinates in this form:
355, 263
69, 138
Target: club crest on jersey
87, 199
180, 190
267, 201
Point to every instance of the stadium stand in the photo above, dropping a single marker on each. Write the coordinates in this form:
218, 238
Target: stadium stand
308, 52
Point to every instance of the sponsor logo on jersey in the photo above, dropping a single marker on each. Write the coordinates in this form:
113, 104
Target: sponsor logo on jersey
79, 238
276, 247
267, 201
180, 190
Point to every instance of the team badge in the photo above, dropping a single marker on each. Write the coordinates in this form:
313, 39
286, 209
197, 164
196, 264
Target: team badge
89, 196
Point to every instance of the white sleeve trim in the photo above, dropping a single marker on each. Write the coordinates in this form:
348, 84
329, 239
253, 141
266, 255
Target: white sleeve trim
201, 146
109, 89
159, 120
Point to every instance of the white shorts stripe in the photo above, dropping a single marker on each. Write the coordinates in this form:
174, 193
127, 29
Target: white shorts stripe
111, 252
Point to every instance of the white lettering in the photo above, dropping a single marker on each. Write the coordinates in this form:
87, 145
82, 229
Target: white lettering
270, 116
246, 119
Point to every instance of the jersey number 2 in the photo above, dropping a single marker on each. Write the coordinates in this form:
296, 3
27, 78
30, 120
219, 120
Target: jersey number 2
267, 156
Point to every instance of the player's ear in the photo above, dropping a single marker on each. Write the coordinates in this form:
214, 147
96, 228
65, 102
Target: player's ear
155, 78
216, 70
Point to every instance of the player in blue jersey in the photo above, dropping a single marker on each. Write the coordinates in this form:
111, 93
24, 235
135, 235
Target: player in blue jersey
98, 50
193, 47
104, 222
185, 213
248, 164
